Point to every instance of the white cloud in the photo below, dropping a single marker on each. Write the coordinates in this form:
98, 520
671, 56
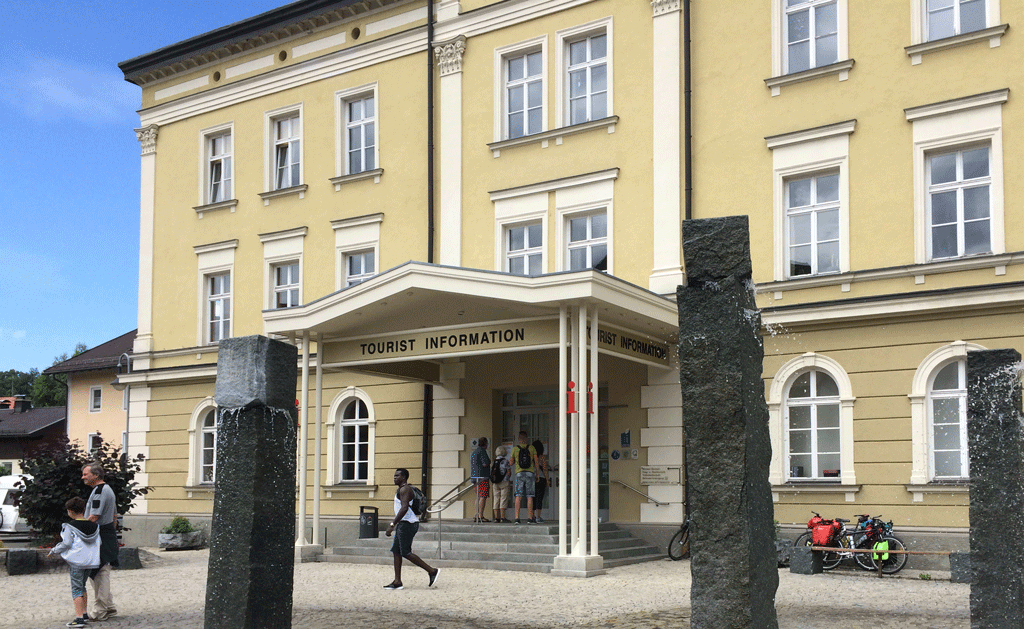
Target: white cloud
11, 335
50, 88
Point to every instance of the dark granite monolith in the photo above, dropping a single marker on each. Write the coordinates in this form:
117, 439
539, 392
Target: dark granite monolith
725, 420
995, 442
252, 544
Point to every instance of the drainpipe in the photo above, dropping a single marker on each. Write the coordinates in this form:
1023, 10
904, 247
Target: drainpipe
428, 390
687, 116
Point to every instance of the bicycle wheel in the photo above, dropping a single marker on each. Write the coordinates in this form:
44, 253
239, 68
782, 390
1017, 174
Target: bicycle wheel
679, 547
891, 562
803, 540
832, 559
863, 560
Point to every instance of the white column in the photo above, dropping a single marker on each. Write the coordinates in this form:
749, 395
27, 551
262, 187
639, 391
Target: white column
147, 205
580, 457
574, 436
318, 435
667, 117
449, 58
563, 446
595, 473
301, 540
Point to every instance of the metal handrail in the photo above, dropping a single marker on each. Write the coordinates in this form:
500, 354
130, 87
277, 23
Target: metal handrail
634, 489
446, 501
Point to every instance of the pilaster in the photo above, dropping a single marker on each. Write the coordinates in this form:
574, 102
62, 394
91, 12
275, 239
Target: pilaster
447, 441
449, 60
147, 204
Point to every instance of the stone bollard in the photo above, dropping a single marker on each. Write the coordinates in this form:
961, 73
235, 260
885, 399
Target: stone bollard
995, 442
252, 545
128, 558
725, 418
803, 560
22, 561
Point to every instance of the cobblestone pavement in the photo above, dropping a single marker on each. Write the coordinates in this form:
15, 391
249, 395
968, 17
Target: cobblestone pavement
170, 592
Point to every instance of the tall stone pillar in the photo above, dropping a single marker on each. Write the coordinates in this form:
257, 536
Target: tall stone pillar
725, 419
996, 448
252, 554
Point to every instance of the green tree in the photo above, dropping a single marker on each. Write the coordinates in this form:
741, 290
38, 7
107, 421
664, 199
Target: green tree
52, 390
13, 382
56, 471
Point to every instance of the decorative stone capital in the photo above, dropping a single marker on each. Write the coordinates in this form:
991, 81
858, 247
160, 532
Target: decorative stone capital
147, 138
449, 55
661, 7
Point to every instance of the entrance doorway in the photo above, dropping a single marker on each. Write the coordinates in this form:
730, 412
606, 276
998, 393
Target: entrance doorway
536, 412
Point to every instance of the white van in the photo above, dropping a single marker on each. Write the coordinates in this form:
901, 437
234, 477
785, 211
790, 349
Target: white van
9, 520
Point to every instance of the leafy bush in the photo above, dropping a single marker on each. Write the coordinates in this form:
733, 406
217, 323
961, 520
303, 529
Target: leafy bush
56, 471
178, 525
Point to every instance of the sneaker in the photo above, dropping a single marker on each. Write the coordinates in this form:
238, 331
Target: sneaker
394, 586
433, 577
518, 521
77, 622
531, 521
539, 519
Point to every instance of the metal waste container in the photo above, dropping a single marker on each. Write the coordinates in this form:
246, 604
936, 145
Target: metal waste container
368, 522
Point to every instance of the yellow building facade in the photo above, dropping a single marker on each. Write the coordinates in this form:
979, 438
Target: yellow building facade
454, 222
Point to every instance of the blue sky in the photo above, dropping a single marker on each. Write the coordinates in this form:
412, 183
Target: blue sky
69, 193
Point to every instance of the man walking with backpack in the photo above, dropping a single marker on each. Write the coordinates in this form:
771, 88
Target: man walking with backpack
524, 456
404, 526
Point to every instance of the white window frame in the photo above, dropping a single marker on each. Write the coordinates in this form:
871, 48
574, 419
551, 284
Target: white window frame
271, 119
590, 242
584, 198
562, 40
335, 426
95, 399
777, 392
341, 100
501, 57
919, 20
213, 259
516, 211
813, 404
538, 249
352, 280
920, 411
281, 248
813, 210
206, 136
355, 235
841, 67
195, 444
958, 187
293, 285
211, 298
811, 6
950, 125
960, 395
803, 154
90, 447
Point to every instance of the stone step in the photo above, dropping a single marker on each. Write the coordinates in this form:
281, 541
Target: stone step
387, 560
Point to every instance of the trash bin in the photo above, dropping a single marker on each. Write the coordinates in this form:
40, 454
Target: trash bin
368, 522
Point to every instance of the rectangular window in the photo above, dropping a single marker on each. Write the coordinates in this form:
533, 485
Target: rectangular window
588, 242
587, 76
811, 30
524, 94
218, 173
523, 249
359, 267
95, 399
946, 18
94, 443
355, 452
286, 285
812, 225
287, 151
218, 300
361, 138
959, 212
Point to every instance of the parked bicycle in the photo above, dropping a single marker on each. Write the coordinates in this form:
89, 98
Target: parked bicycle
679, 547
871, 533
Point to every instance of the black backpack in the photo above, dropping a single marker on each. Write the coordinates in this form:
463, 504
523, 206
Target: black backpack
497, 475
525, 460
418, 504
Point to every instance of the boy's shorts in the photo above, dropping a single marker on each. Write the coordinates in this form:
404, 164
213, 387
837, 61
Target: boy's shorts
77, 581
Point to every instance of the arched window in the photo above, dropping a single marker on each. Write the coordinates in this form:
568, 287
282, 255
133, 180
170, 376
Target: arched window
947, 422
208, 454
810, 418
350, 439
812, 427
202, 445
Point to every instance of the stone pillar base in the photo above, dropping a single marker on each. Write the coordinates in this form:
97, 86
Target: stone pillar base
307, 553
803, 560
577, 566
960, 567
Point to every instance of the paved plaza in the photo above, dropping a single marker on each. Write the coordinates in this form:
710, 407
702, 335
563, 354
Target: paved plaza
170, 592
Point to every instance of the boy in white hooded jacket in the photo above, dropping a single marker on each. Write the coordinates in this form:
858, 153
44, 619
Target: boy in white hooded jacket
80, 548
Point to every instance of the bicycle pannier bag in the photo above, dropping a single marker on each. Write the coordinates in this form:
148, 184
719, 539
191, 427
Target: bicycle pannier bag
821, 534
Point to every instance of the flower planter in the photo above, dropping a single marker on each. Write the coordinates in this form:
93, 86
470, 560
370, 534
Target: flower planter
181, 541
